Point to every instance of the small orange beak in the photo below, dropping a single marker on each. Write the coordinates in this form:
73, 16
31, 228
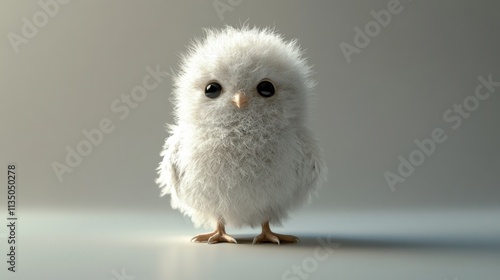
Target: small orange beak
240, 100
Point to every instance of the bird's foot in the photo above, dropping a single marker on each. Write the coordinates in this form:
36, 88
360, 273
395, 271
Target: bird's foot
275, 238
268, 236
214, 237
219, 235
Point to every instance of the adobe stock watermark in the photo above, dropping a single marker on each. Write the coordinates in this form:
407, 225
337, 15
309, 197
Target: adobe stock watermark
223, 6
362, 37
121, 107
310, 264
121, 276
454, 117
30, 28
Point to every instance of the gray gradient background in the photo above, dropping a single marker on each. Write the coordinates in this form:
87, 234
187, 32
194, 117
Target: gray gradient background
441, 223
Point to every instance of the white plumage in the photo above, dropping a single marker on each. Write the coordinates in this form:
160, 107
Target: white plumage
237, 154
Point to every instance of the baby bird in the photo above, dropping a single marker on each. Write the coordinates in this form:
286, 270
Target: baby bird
240, 153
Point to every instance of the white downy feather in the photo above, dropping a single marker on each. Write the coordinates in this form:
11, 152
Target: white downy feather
250, 165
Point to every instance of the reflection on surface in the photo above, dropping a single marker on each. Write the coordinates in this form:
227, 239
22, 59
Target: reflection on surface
343, 246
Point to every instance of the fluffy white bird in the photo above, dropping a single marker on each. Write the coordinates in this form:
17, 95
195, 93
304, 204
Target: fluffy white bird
240, 152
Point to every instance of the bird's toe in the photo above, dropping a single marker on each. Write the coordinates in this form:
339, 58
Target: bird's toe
216, 238
275, 238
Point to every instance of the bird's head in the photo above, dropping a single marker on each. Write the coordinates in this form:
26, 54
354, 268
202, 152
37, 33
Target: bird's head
242, 78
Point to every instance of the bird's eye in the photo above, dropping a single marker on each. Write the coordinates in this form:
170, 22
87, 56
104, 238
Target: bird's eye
265, 89
213, 90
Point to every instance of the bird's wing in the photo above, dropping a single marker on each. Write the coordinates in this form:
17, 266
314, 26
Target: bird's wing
311, 169
168, 171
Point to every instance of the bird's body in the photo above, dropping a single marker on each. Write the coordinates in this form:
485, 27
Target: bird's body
240, 153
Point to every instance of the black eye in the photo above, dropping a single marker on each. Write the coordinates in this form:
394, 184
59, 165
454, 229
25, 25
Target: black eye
213, 90
265, 89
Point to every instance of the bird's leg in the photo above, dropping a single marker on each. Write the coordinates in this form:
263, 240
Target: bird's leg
219, 235
268, 236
